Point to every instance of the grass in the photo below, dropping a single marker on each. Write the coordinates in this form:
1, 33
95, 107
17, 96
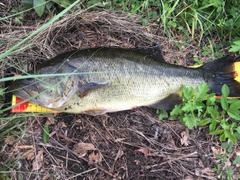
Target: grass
44, 26
10, 125
191, 18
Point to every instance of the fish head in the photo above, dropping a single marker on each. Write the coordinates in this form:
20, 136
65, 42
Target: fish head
50, 92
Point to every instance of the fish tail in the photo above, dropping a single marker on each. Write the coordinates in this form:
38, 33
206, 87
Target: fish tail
223, 71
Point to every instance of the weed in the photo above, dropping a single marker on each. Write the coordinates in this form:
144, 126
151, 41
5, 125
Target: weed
8, 52
235, 47
40, 6
197, 61
212, 50
206, 50
225, 169
13, 125
197, 17
200, 109
17, 19
194, 18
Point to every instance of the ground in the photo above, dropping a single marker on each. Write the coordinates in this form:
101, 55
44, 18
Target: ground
123, 145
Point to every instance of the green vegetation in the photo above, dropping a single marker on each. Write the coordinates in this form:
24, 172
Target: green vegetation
45, 133
199, 108
188, 17
220, 114
41, 6
235, 47
13, 126
222, 169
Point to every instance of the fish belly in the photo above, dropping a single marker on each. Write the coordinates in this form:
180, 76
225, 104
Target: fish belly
129, 93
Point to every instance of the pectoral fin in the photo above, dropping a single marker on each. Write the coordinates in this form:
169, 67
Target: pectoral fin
95, 112
168, 102
85, 88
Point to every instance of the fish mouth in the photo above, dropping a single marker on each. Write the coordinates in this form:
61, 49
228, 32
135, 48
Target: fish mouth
22, 94
19, 89
27, 95
32, 96
30, 90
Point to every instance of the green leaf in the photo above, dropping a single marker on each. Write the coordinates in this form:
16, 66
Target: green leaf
235, 114
163, 114
49, 5
237, 135
211, 100
237, 160
225, 90
225, 145
199, 104
176, 111
212, 126
229, 150
188, 93
45, 133
154, 15
204, 122
233, 125
224, 103
222, 137
235, 104
39, 6
144, 22
225, 125
238, 129
217, 132
63, 3
172, 23
212, 111
2, 91
189, 107
229, 24
191, 121
203, 89
230, 136
235, 47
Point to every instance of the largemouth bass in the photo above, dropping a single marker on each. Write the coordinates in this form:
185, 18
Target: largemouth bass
99, 80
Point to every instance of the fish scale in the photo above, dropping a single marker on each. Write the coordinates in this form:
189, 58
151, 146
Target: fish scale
127, 76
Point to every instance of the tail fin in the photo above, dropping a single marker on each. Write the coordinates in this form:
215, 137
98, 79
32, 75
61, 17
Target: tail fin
222, 71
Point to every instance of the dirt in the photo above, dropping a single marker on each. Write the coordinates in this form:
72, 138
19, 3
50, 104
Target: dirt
132, 145
124, 145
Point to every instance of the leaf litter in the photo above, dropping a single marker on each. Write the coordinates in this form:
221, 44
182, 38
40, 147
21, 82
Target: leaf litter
82, 148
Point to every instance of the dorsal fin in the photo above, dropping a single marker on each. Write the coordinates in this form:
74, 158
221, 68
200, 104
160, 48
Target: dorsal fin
154, 52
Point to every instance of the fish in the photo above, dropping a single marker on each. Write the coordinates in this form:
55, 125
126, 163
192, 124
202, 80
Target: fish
101, 80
